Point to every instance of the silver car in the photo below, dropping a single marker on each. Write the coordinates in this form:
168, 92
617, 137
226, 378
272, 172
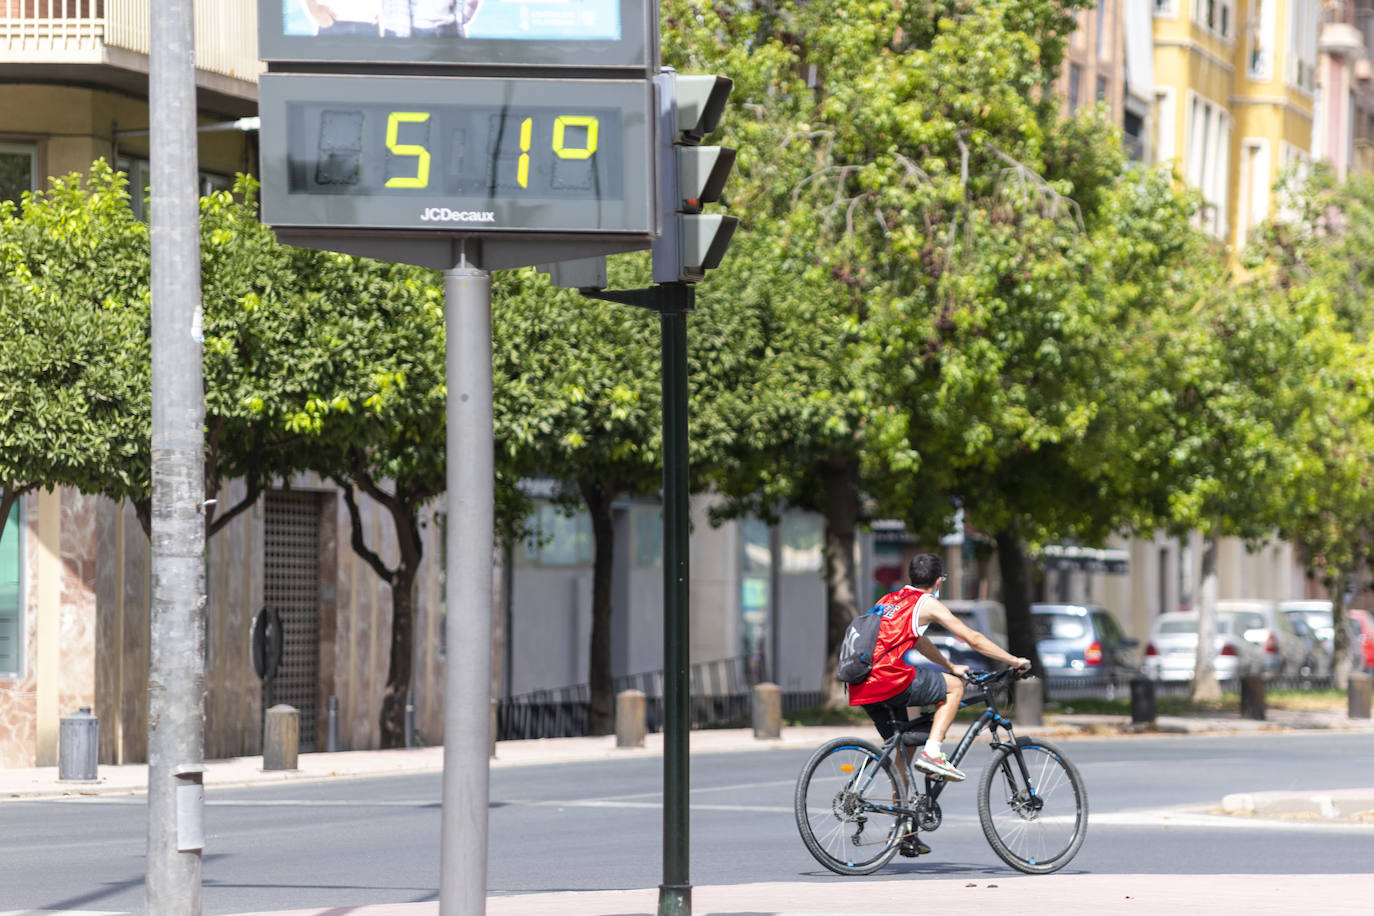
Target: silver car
1314, 614
1260, 622
986, 617
1171, 652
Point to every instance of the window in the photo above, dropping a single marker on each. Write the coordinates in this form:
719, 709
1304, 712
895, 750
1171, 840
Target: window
1075, 83
1166, 148
1059, 626
557, 539
1101, 28
11, 594
1255, 182
1102, 86
139, 173
1214, 15
1261, 50
648, 536
1301, 68
1208, 161
803, 543
18, 170
1133, 135
1166, 9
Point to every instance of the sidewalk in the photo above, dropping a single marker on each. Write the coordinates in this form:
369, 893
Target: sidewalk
130, 779
1065, 894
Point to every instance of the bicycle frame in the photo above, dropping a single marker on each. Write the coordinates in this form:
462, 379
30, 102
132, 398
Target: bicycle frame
990, 718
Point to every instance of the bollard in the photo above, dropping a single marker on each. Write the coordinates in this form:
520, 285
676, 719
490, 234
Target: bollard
630, 724
1029, 702
767, 710
1142, 701
331, 741
78, 746
280, 738
1358, 695
410, 720
495, 723
1252, 698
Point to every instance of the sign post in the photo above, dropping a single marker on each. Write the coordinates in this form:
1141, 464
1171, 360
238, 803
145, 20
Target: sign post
467, 703
515, 136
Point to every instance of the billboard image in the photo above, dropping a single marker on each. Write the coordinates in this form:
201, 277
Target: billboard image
555, 33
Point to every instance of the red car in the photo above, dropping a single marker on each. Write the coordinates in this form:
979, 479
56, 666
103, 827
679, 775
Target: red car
1362, 634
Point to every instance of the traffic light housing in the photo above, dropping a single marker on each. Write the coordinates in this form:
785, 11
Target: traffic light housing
690, 176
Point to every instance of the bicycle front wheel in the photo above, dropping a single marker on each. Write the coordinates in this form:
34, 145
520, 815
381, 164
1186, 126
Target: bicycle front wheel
1036, 818
844, 805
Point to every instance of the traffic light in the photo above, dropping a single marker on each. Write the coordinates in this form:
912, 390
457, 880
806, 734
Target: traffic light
689, 176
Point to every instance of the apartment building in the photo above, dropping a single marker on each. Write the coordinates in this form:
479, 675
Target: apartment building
1109, 61
1237, 102
74, 569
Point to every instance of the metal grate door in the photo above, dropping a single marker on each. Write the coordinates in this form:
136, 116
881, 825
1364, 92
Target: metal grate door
291, 573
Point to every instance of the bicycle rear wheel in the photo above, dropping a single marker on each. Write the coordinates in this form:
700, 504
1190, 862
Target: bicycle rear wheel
844, 803
1036, 826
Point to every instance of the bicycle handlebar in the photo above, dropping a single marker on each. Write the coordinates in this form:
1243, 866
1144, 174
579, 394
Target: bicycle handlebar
989, 677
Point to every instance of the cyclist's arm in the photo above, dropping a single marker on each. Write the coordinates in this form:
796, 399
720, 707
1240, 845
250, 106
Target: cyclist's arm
932, 652
938, 613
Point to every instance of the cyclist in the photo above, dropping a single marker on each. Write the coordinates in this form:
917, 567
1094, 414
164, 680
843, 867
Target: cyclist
897, 683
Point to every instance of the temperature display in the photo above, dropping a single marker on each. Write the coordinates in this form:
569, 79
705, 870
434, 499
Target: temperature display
457, 153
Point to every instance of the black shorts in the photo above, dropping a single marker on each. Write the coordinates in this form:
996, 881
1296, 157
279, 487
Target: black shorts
926, 689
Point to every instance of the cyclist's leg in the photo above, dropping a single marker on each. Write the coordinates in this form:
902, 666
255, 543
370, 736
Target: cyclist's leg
886, 716
936, 687
944, 716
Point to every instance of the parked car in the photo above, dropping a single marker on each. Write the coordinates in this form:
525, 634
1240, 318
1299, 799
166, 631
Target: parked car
1362, 634
1316, 615
1259, 621
987, 617
1082, 641
1171, 651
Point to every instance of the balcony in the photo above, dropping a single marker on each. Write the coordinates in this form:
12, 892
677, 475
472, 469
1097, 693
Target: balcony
106, 43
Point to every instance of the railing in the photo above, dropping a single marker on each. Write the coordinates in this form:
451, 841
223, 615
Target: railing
720, 696
57, 30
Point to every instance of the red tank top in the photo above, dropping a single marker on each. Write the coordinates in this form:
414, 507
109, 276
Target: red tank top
896, 635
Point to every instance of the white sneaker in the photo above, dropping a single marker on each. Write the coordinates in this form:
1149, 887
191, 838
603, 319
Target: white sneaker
937, 766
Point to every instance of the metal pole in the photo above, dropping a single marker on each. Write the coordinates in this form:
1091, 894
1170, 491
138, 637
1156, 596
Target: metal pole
176, 666
675, 893
470, 533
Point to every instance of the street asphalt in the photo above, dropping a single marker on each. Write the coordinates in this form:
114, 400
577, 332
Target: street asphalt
1063, 894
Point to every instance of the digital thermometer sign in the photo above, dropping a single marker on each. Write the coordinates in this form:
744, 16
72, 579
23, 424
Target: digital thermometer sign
457, 154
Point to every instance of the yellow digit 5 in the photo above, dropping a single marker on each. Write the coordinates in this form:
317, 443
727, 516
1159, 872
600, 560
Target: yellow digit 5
522, 172
393, 126
562, 124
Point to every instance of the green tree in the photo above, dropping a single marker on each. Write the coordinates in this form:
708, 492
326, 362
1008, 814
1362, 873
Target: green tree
580, 386
74, 297
930, 257
1315, 262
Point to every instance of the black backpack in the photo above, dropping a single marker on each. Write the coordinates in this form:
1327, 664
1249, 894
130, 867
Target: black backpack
856, 652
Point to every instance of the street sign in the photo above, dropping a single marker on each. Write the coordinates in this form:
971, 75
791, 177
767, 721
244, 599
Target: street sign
486, 156
568, 34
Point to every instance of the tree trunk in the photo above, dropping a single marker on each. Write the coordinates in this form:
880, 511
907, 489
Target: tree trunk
1340, 636
1205, 686
841, 481
598, 497
398, 675
1011, 561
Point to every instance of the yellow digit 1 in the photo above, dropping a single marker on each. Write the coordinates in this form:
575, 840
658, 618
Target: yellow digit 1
393, 126
522, 173
560, 125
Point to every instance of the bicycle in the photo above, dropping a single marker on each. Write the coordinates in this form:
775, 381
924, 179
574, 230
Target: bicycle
1032, 805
